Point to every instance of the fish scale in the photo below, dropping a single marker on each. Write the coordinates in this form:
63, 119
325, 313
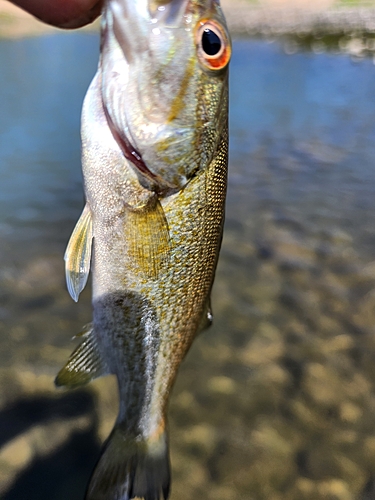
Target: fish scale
196, 277
155, 185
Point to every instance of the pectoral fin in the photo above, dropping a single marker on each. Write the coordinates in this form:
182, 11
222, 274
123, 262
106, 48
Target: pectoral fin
78, 255
84, 364
148, 236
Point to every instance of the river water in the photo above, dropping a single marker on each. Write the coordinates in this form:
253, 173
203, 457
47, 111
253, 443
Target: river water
276, 401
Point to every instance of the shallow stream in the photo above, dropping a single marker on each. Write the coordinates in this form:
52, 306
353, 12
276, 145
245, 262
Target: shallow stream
276, 401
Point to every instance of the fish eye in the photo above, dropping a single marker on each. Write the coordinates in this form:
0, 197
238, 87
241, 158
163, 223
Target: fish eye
213, 45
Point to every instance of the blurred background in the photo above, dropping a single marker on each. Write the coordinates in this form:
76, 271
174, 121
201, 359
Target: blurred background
276, 401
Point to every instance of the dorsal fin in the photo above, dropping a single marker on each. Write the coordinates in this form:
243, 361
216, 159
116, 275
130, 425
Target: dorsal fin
78, 255
84, 364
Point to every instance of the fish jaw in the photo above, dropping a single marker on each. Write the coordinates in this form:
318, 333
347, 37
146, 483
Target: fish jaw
158, 97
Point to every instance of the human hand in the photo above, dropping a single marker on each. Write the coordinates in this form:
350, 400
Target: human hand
63, 13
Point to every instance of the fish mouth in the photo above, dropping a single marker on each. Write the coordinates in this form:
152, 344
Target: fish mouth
128, 24
155, 4
168, 11
127, 148
132, 155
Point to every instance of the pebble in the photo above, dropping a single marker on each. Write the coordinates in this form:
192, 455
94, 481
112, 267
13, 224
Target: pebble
337, 344
221, 385
266, 438
267, 345
305, 488
369, 448
18, 453
334, 489
202, 437
350, 412
316, 386
294, 254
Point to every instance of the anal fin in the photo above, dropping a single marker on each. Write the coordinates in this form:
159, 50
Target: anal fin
78, 255
84, 364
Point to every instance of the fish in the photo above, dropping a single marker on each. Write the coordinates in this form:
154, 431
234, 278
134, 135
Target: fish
154, 160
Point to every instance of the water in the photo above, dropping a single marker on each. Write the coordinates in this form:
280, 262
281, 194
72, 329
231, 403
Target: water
276, 401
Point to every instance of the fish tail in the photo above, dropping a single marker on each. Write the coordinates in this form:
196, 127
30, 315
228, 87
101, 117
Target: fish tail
131, 468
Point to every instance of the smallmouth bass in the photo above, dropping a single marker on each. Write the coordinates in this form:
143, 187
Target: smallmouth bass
154, 158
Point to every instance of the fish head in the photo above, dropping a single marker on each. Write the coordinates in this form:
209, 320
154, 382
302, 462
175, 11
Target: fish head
164, 85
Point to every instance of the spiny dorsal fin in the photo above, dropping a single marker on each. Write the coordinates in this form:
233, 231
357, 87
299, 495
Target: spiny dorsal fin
78, 255
84, 364
148, 237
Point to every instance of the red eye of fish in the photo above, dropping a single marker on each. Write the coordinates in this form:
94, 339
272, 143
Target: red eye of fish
213, 45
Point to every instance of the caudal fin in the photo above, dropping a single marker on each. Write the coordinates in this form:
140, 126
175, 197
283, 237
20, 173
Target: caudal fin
130, 468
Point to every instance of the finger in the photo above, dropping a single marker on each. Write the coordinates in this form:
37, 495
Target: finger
63, 13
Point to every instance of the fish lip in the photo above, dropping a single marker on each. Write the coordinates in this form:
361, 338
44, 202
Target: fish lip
169, 12
131, 154
127, 148
125, 145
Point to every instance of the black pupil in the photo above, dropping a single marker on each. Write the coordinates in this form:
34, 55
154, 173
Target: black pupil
211, 43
